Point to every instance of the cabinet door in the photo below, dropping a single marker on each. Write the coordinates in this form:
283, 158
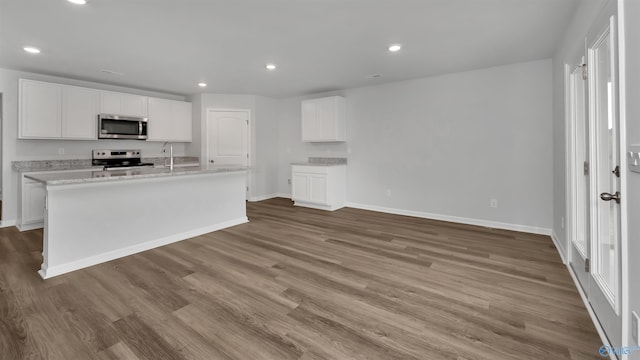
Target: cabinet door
160, 114
323, 119
183, 121
300, 187
33, 205
40, 110
79, 113
110, 103
318, 192
169, 120
123, 104
135, 105
310, 125
326, 119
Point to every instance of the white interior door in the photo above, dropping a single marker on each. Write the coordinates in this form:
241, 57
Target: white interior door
228, 139
595, 183
227, 133
605, 269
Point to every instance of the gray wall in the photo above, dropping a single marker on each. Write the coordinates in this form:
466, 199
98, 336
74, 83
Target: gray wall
445, 145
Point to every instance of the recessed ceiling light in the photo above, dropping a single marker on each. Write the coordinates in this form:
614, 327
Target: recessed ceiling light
395, 47
31, 49
202, 84
271, 66
78, 2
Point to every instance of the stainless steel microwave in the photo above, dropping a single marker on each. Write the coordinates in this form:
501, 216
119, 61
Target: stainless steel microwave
122, 127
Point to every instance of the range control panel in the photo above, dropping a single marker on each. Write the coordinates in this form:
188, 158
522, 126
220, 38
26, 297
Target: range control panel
634, 158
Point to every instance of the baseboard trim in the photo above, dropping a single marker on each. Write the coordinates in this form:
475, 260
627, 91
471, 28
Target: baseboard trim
32, 226
270, 196
561, 250
592, 315
455, 219
48, 272
7, 223
318, 206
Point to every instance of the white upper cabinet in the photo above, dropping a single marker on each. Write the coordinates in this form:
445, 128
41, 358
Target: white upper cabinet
40, 110
169, 120
79, 108
324, 119
56, 111
123, 104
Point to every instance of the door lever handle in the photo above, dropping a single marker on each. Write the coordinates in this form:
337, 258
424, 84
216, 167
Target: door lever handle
609, 197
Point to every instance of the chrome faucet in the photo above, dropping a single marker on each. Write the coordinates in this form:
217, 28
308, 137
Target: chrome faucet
170, 154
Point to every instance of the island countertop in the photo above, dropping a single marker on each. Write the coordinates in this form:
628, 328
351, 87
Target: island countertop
80, 177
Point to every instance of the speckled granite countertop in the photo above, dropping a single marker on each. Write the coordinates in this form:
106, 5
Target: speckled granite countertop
81, 164
82, 177
322, 161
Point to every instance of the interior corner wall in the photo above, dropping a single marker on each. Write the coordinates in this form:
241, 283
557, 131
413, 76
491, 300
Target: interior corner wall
573, 39
265, 166
14, 149
194, 147
445, 145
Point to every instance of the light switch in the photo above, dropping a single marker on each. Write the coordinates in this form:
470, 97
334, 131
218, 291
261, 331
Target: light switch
633, 158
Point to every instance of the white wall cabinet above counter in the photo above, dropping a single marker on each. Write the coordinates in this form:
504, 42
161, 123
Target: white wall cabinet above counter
64, 112
169, 120
56, 111
123, 104
324, 119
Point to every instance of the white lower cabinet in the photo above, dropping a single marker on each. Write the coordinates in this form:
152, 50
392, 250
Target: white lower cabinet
319, 186
32, 210
32, 199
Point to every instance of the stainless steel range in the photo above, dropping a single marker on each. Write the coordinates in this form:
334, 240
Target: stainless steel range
118, 159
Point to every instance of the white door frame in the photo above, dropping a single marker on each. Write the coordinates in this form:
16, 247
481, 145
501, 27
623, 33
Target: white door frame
249, 141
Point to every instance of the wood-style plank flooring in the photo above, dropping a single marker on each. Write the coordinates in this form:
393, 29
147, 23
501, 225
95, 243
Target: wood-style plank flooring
298, 283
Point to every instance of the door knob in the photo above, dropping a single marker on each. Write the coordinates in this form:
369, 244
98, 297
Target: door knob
609, 197
211, 161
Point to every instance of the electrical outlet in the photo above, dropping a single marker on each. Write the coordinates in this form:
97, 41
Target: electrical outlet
635, 321
60, 151
289, 181
387, 193
562, 222
493, 203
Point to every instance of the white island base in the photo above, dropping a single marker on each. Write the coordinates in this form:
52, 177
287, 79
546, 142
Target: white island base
91, 222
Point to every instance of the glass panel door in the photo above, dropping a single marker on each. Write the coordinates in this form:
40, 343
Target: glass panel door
606, 181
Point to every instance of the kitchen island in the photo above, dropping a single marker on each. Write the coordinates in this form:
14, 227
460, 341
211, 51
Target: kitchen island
96, 216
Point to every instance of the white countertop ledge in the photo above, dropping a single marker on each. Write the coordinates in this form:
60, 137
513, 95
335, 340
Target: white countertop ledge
88, 176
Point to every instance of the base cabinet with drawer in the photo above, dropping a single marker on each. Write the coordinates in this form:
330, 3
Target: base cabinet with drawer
319, 186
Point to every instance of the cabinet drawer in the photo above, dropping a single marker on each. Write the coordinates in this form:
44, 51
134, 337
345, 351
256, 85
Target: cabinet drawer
310, 169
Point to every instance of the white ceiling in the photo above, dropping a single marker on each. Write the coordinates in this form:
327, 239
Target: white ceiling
318, 45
